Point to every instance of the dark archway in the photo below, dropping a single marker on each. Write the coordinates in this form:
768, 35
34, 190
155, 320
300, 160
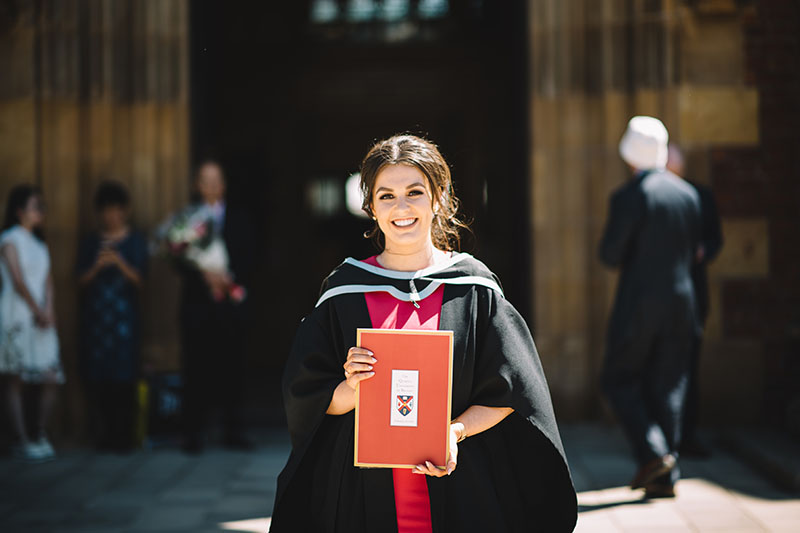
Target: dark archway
290, 98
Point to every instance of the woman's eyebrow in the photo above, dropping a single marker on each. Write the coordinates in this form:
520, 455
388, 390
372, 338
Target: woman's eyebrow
415, 184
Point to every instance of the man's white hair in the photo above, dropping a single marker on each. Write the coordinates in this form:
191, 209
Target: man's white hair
644, 144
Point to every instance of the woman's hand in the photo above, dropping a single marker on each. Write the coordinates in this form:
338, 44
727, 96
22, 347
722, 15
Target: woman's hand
112, 257
456, 434
358, 366
106, 257
42, 318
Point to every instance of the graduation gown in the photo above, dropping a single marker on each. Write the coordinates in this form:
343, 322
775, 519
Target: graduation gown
513, 477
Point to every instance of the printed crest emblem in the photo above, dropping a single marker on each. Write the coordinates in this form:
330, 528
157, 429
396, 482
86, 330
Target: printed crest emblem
405, 404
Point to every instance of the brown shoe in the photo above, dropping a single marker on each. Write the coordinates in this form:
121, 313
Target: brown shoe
653, 470
659, 490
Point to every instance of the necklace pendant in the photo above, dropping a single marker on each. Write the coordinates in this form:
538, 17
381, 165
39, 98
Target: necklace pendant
414, 293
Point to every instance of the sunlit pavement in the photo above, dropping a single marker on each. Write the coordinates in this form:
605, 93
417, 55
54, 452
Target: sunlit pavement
718, 494
167, 491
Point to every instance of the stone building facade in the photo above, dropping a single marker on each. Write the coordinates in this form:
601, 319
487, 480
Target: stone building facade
94, 89
723, 76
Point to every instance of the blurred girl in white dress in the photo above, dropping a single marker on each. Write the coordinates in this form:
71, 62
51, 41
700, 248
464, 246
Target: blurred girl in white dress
29, 351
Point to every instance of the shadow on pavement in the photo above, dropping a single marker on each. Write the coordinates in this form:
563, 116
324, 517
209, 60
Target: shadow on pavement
600, 459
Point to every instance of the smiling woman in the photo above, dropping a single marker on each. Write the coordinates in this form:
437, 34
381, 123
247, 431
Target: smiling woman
505, 456
406, 165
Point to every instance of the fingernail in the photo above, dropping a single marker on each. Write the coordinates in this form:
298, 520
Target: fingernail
370, 352
369, 367
374, 360
371, 373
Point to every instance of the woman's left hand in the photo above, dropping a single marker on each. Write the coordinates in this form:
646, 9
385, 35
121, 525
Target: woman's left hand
456, 430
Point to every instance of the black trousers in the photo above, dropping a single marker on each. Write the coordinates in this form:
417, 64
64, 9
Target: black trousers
213, 362
645, 378
112, 414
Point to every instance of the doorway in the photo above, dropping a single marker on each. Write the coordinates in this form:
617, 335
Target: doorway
289, 96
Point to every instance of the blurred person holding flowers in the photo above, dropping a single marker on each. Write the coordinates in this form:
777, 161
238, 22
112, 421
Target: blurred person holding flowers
211, 245
112, 262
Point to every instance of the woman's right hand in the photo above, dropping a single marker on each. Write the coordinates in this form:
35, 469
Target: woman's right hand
42, 318
358, 366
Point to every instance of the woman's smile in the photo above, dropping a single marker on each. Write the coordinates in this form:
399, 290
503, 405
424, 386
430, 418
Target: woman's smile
404, 222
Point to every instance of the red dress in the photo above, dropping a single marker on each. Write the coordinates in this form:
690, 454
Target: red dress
387, 312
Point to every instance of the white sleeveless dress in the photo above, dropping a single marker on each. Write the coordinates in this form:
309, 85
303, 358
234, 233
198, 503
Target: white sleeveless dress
27, 350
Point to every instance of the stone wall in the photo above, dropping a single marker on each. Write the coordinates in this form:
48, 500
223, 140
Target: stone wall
722, 77
95, 90
756, 280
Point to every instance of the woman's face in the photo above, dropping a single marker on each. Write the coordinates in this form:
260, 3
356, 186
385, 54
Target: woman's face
211, 183
113, 217
402, 203
32, 215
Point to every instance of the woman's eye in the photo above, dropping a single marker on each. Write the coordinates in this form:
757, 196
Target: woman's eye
415, 193
385, 196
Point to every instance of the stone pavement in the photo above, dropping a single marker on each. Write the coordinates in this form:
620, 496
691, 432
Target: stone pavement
719, 494
167, 491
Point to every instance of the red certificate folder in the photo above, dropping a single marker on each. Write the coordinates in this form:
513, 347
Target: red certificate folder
403, 411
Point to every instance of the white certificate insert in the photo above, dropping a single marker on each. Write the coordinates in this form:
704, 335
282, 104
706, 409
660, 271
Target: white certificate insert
405, 398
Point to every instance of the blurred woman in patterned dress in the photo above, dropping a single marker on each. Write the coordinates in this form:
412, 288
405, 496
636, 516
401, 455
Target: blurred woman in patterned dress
111, 266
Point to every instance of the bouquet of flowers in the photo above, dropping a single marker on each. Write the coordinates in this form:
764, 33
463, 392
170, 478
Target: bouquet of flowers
188, 238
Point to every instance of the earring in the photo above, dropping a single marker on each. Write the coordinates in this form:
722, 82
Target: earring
374, 218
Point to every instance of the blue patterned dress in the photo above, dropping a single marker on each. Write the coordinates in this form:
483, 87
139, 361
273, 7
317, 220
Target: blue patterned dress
110, 322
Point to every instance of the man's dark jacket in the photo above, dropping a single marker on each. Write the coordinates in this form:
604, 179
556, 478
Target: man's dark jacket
654, 229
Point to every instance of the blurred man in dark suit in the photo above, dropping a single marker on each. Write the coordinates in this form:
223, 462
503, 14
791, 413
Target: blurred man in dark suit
652, 235
711, 244
213, 319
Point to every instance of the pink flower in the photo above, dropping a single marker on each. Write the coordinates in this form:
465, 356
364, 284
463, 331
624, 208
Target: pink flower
237, 293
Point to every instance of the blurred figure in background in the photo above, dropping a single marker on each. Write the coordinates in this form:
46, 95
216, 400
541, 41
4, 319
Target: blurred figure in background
710, 245
29, 349
652, 235
217, 257
111, 264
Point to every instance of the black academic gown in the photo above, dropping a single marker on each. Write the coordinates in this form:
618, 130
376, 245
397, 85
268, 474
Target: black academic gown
512, 477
